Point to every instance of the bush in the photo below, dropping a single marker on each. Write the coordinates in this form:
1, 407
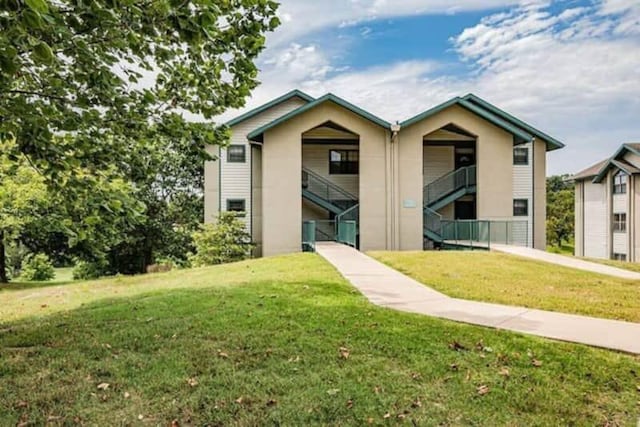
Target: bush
37, 268
225, 241
86, 270
15, 253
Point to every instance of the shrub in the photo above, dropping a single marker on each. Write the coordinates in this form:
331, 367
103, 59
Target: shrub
86, 270
16, 253
37, 268
225, 241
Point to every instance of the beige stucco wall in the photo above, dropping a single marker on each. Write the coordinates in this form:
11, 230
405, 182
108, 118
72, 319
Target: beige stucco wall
212, 185
540, 195
495, 167
256, 199
282, 162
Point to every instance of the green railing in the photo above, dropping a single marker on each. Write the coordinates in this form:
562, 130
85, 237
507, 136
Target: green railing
327, 190
432, 221
449, 183
309, 236
347, 232
483, 233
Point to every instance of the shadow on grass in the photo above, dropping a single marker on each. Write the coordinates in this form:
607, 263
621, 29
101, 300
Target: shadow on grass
19, 286
300, 353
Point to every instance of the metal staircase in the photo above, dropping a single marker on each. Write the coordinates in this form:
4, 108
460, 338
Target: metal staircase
332, 198
444, 190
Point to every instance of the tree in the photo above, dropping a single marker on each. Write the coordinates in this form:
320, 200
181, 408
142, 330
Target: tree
225, 241
560, 209
82, 84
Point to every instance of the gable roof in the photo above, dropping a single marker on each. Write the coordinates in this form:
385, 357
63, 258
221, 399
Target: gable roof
618, 162
591, 171
258, 134
284, 98
552, 143
519, 134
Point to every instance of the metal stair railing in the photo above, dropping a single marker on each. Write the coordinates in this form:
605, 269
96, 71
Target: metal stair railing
432, 221
449, 183
326, 189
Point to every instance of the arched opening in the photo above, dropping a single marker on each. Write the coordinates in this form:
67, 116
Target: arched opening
331, 181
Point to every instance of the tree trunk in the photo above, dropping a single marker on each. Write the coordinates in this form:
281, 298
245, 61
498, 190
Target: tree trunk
3, 261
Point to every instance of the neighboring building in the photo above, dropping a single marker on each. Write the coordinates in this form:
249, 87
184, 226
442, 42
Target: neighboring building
607, 203
299, 159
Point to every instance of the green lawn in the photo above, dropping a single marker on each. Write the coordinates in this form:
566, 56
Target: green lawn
283, 341
507, 279
631, 266
565, 249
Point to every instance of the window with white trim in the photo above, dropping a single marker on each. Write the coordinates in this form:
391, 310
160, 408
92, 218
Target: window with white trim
620, 183
236, 154
520, 207
520, 156
620, 222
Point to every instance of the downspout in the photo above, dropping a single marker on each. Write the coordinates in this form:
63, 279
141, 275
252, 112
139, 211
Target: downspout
395, 130
533, 193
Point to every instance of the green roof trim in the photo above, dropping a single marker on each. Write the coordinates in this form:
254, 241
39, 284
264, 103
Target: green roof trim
257, 135
520, 135
287, 96
552, 143
613, 161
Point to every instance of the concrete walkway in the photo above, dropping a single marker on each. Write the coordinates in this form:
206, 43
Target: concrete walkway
387, 287
567, 261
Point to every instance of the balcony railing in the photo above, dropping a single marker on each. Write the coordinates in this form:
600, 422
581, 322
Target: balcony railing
449, 183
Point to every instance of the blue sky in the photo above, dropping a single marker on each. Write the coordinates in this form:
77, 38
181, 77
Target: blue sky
569, 67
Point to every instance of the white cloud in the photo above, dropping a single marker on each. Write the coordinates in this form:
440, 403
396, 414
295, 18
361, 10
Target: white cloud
574, 75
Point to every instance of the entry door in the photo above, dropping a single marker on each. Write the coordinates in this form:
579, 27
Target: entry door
465, 209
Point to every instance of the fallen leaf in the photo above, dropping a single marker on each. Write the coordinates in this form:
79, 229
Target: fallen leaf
416, 403
453, 367
239, 400
401, 416
126, 395
349, 404
272, 402
387, 415
175, 423
333, 391
294, 359
504, 372
44, 306
344, 353
415, 376
456, 346
222, 354
482, 390
103, 386
376, 389
24, 404
537, 363
140, 417
192, 382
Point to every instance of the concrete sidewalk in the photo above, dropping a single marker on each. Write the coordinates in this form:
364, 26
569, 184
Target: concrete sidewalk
566, 261
387, 287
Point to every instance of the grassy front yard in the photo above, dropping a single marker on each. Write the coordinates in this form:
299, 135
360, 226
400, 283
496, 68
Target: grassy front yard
283, 341
507, 279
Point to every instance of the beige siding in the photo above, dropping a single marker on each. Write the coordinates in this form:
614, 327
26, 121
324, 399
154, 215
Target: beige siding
540, 195
236, 177
311, 212
620, 241
579, 219
316, 158
256, 211
523, 189
596, 222
632, 158
437, 161
620, 203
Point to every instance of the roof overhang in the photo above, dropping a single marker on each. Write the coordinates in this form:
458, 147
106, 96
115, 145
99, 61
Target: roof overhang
617, 162
520, 136
258, 134
273, 103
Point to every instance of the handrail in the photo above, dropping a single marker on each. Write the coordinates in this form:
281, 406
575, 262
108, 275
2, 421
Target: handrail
323, 187
448, 183
432, 220
350, 214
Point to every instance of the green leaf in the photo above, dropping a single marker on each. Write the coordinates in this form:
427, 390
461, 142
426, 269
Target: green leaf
37, 5
32, 19
43, 53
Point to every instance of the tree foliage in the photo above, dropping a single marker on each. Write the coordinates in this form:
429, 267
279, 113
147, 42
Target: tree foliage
225, 241
560, 210
95, 96
37, 268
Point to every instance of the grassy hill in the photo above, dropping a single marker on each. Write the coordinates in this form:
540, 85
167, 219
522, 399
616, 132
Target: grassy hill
283, 341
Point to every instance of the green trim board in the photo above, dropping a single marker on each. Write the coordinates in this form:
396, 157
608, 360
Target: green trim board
520, 136
552, 143
287, 96
258, 134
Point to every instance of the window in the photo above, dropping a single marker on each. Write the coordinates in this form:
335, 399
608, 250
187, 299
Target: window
236, 154
236, 205
620, 183
620, 222
619, 257
520, 207
343, 162
520, 156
